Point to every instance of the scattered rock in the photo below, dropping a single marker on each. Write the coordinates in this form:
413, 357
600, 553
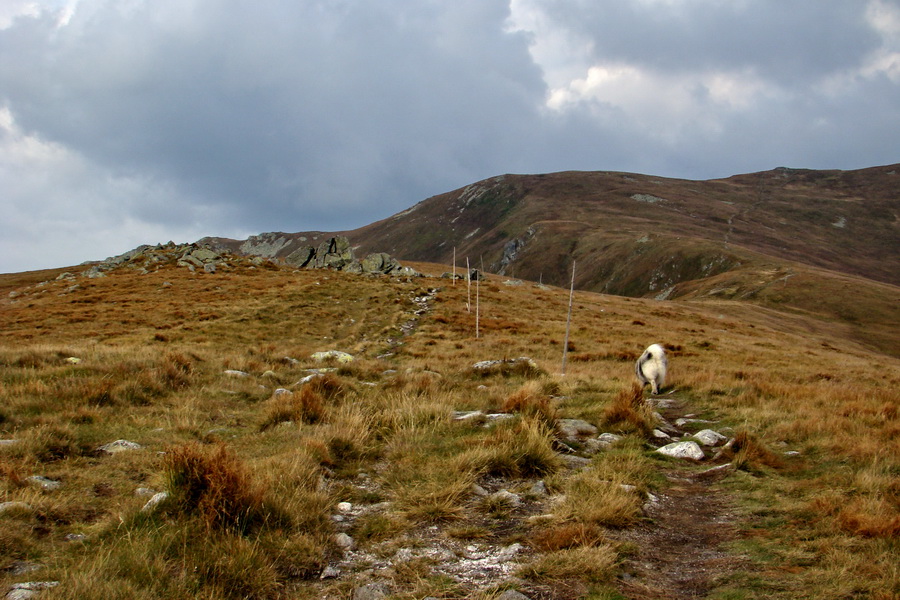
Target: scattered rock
506, 497
708, 437
684, 421
467, 415
73, 360
344, 541
660, 435
8, 442
689, 450
20, 567
153, 502
575, 462
572, 429
371, 591
341, 357
509, 553
236, 373
44, 482
119, 446
330, 572
75, 537
538, 489
29, 589
142, 491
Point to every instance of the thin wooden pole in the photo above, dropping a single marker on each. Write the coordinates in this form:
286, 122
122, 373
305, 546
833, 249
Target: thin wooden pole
477, 309
468, 287
454, 266
568, 320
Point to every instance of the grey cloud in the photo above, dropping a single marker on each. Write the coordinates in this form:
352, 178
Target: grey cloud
789, 42
163, 119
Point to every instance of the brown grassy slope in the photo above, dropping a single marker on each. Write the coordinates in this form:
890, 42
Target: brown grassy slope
841, 220
154, 349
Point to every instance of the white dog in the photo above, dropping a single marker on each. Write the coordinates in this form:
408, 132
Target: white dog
651, 367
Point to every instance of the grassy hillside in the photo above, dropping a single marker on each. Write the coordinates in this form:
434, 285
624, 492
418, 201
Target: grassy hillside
822, 243
188, 366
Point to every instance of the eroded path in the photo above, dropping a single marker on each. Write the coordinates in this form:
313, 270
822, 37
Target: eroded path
678, 552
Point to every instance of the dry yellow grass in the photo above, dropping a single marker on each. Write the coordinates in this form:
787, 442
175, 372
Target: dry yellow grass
153, 353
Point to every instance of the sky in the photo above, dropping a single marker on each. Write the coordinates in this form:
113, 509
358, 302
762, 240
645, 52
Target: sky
128, 122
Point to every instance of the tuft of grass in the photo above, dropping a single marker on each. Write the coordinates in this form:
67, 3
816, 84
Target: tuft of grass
214, 485
304, 406
629, 412
530, 400
563, 536
521, 449
590, 564
748, 453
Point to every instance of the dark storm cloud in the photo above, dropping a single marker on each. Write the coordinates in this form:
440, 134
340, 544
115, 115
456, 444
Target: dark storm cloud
136, 122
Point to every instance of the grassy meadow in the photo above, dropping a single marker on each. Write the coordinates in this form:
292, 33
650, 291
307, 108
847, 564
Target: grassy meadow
187, 366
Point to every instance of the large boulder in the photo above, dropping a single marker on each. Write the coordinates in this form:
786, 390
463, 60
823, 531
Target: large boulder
302, 257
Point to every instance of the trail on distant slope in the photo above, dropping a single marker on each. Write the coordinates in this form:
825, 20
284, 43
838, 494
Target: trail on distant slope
678, 551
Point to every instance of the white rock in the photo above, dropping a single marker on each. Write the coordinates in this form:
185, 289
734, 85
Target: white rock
689, 450
73, 360
235, 373
341, 357
708, 437
119, 446
153, 502
466, 415
8, 442
660, 435
344, 507
344, 541
29, 589
507, 497
684, 421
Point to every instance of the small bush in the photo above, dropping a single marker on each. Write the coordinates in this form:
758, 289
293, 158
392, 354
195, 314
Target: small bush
213, 485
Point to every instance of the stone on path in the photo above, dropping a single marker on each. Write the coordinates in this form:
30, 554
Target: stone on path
689, 450
708, 437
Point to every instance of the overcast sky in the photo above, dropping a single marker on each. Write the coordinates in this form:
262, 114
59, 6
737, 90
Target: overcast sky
125, 122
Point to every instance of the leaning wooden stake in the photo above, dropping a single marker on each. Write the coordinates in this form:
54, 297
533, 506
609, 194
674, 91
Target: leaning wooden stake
568, 320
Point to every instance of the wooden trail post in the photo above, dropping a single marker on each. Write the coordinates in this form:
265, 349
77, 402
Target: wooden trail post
468, 286
568, 320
